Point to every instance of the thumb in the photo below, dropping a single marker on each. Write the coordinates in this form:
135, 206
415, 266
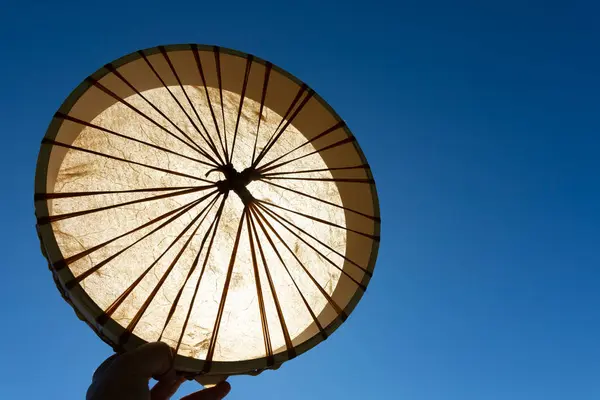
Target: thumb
126, 376
151, 360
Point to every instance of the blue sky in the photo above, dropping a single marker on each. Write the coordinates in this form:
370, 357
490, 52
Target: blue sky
481, 124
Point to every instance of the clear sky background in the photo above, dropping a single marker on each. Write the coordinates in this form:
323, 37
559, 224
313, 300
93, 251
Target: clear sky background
482, 126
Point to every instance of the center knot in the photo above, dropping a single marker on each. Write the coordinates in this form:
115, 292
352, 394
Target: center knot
237, 181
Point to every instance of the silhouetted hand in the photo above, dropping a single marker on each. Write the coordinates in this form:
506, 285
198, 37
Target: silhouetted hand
126, 377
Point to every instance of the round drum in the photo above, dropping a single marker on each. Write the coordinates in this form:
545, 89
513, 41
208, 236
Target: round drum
208, 199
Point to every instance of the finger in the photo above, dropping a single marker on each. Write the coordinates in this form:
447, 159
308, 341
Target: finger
102, 368
164, 389
214, 393
150, 360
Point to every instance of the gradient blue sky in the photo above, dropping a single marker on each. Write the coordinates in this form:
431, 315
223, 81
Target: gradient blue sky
482, 126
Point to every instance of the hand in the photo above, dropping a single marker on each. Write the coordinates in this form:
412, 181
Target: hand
126, 377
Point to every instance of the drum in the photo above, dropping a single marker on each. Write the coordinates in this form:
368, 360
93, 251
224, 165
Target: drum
206, 198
